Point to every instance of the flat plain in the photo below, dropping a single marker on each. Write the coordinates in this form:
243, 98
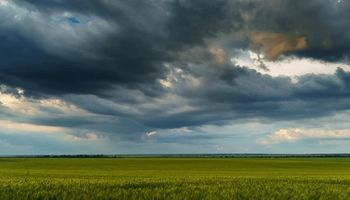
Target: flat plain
174, 178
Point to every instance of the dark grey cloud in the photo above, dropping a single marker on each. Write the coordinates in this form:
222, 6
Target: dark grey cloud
248, 94
323, 23
108, 57
127, 55
144, 35
130, 51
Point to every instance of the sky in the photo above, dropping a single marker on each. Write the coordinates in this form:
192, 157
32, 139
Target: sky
174, 76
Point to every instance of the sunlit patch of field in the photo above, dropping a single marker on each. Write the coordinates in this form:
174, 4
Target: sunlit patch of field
174, 178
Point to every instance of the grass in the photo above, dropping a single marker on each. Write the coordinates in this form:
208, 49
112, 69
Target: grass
174, 178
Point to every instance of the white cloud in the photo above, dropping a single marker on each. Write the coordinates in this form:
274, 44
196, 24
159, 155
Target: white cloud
151, 133
19, 114
11, 127
295, 134
291, 66
27, 107
93, 137
18, 136
3, 2
183, 130
165, 83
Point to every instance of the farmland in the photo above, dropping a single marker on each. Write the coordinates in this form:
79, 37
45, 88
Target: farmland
174, 178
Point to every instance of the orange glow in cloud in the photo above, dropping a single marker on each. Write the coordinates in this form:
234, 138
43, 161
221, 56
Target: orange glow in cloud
219, 54
272, 45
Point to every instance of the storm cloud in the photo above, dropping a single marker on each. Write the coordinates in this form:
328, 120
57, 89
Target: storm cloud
121, 69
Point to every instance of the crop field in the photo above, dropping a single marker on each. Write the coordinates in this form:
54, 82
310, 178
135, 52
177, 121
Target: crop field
174, 178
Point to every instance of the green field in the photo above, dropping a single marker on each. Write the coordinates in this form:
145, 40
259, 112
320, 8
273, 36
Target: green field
174, 178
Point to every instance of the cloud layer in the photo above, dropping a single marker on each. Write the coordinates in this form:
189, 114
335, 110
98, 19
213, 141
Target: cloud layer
293, 135
134, 71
